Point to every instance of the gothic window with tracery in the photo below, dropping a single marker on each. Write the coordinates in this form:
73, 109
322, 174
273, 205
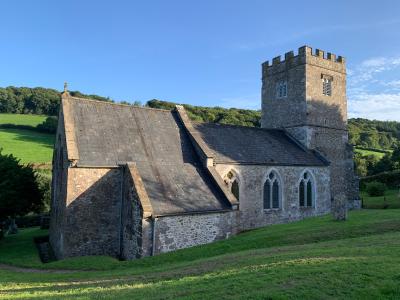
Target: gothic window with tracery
306, 191
272, 191
232, 181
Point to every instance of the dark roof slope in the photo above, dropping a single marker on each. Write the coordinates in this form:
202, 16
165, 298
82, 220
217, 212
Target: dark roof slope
156, 141
251, 145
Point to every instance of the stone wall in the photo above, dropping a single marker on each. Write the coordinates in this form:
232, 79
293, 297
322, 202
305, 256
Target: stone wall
177, 232
132, 218
332, 144
287, 111
252, 178
93, 212
318, 121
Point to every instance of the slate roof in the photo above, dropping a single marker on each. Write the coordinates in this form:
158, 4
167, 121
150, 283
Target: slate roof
249, 145
156, 141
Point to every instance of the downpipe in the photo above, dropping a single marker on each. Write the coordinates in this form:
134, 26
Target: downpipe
153, 239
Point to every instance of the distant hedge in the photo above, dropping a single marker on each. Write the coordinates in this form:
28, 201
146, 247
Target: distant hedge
391, 179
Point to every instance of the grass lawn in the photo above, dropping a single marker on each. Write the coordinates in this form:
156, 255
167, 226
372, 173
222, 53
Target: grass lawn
27, 145
20, 119
392, 197
316, 258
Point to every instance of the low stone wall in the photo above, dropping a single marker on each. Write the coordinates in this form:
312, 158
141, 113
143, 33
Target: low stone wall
177, 232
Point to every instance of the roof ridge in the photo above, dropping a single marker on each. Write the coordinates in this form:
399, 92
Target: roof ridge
118, 104
240, 126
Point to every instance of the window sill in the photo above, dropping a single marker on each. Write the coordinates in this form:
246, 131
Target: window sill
272, 209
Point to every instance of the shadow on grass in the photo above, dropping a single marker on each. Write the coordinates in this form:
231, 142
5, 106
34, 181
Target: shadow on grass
41, 139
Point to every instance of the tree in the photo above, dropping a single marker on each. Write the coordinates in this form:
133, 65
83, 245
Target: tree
19, 190
396, 159
49, 125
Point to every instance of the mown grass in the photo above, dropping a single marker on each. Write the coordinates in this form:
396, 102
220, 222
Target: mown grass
316, 258
29, 146
21, 119
391, 199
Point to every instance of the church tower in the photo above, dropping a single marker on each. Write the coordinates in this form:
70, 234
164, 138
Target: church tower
306, 95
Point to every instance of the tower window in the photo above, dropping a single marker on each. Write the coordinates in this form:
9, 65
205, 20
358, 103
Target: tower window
281, 89
327, 85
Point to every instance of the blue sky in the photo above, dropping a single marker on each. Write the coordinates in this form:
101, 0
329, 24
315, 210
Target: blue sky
198, 52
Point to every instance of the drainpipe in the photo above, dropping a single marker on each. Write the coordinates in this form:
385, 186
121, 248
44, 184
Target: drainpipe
121, 206
153, 240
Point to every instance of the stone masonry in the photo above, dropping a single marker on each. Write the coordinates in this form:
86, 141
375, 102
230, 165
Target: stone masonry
317, 120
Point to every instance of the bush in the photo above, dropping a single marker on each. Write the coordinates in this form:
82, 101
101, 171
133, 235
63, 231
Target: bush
28, 221
49, 125
375, 188
19, 189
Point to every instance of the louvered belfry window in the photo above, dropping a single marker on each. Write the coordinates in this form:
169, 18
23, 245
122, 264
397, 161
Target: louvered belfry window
327, 85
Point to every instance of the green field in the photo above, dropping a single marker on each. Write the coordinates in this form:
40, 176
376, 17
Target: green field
17, 119
364, 152
390, 200
28, 145
317, 258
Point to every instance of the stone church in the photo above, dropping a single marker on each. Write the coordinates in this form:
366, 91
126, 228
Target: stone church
134, 181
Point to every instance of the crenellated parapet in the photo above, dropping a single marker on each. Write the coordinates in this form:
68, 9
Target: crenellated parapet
304, 55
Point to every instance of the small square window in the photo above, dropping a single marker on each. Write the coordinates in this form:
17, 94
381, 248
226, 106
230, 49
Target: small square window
281, 89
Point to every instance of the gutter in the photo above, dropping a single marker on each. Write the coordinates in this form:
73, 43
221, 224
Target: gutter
121, 205
153, 238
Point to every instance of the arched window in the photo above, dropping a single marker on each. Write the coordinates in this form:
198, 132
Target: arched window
232, 181
235, 189
272, 191
306, 190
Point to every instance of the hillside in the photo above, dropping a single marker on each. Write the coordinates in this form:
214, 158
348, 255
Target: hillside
28, 145
317, 258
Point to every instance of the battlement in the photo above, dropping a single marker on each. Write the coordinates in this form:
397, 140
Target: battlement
290, 59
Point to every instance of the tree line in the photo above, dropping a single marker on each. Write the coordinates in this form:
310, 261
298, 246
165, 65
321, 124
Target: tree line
40, 101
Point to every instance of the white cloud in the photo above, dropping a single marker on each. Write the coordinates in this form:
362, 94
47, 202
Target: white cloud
371, 95
394, 84
375, 106
369, 69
